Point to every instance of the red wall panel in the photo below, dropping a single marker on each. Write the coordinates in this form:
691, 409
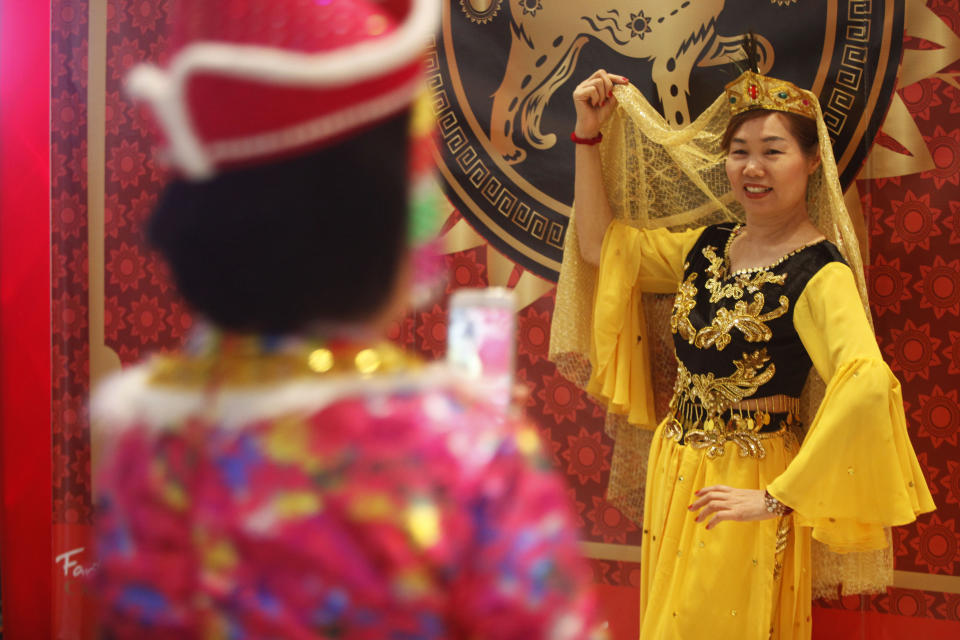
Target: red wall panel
25, 466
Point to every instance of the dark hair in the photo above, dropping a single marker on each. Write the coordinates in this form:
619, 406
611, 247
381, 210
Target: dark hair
802, 128
272, 248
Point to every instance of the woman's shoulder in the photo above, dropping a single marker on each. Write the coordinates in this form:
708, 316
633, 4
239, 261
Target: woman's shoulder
825, 252
813, 258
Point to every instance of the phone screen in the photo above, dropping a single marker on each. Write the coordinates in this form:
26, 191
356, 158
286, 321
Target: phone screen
481, 339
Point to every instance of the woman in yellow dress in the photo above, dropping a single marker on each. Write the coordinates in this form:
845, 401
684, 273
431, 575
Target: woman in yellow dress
783, 458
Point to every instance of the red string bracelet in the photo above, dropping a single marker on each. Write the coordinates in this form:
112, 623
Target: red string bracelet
578, 140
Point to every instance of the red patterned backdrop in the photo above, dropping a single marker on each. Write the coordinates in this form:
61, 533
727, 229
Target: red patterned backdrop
913, 223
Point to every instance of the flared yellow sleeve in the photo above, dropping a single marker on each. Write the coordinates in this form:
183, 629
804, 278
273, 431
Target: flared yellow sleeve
632, 261
856, 471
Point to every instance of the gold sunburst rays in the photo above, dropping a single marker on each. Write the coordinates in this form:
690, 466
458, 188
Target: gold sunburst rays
923, 23
460, 237
887, 163
500, 269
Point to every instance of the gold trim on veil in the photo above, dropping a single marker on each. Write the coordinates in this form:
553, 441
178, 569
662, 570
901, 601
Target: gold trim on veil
656, 176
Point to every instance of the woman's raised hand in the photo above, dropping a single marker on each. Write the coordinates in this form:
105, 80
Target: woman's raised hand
594, 101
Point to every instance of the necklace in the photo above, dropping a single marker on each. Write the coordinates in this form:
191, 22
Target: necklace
737, 230
254, 361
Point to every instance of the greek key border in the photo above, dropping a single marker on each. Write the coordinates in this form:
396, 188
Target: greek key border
853, 64
479, 178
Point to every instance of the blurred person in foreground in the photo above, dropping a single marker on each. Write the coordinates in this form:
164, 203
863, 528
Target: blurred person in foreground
290, 474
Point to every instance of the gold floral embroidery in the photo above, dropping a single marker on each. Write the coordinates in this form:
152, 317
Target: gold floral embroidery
740, 431
684, 304
742, 281
745, 317
702, 425
673, 430
719, 394
701, 399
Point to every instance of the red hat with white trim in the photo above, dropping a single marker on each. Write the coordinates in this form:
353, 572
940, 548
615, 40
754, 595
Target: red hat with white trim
254, 80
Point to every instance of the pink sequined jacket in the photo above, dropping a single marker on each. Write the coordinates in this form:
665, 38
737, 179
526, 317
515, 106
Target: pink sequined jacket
244, 497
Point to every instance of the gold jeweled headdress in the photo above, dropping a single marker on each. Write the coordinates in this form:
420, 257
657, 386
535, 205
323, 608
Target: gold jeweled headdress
754, 91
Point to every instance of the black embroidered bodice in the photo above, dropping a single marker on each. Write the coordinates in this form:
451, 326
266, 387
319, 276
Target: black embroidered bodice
734, 332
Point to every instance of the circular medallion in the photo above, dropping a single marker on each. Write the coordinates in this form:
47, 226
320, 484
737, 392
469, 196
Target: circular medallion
502, 74
480, 11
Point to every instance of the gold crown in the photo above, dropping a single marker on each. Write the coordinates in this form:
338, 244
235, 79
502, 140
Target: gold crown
754, 91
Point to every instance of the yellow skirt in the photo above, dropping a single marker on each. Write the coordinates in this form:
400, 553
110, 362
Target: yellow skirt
743, 580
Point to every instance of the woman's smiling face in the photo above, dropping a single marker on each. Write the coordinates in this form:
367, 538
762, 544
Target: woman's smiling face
767, 168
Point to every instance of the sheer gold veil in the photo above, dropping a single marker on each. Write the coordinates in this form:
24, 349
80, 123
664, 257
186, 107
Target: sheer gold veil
657, 176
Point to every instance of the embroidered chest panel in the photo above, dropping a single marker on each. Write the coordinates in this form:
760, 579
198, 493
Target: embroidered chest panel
733, 331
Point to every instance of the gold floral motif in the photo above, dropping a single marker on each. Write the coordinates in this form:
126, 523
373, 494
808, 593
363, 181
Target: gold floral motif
700, 400
715, 442
685, 302
746, 317
742, 431
673, 430
742, 281
738, 430
719, 394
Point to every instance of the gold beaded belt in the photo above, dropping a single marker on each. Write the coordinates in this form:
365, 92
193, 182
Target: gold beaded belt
744, 427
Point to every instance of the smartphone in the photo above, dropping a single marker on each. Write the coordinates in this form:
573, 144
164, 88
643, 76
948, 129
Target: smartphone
481, 339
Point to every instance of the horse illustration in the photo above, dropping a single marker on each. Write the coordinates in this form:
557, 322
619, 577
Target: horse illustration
546, 39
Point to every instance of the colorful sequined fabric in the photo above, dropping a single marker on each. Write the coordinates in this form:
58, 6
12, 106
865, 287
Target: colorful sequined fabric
403, 510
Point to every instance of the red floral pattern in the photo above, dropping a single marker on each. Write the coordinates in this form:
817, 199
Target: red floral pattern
533, 338
126, 162
608, 523
585, 455
401, 331
952, 482
887, 285
432, 331
952, 222
945, 149
126, 266
561, 399
939, 287
938, 416
466, 270
913, 221
912, 351
937, 544
920, 97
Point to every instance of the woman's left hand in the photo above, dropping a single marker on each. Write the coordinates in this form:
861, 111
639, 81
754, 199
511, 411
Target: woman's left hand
728, 503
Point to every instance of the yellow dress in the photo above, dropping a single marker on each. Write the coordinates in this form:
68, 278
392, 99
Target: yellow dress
751, 334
